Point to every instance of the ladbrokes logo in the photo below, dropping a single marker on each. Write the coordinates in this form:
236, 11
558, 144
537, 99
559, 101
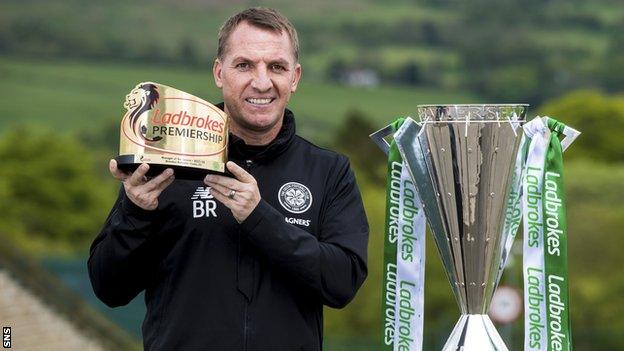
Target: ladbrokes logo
204, 204
182, 118
166, 120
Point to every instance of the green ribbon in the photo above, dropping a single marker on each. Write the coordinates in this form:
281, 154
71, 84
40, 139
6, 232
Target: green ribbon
547, 305
556, 243
388, 291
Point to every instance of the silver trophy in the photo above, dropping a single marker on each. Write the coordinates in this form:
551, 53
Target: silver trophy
461, 158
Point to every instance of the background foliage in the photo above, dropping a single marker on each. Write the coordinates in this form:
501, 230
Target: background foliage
64, 76
52, 195
535, 49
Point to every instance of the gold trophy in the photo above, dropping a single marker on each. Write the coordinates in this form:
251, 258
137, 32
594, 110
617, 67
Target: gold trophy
168, 128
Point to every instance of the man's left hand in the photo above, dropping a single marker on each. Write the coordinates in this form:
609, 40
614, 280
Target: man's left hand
240, 195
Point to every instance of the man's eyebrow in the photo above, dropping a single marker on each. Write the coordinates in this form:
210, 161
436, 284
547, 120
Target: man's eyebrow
240, 58
280, 61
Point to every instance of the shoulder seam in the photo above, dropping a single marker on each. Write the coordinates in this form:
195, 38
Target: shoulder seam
332, 152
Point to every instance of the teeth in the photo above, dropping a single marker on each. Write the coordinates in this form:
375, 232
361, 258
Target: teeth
259, 101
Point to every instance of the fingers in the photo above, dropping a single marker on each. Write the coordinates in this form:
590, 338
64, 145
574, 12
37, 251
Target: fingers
219, 188
164, 184
146, 195
242, 181
138, 176
116, 172
246, 197
222, 198
240, 196
240, 173
141, 192
227, 182
157, 181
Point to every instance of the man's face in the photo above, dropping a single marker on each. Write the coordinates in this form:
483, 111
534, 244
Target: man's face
257, 74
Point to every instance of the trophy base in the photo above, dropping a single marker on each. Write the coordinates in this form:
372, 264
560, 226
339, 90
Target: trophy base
474, 332
126, 163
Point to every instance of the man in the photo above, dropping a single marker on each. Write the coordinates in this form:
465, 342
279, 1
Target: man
242, 263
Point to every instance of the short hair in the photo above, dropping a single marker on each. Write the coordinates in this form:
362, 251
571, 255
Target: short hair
261, 17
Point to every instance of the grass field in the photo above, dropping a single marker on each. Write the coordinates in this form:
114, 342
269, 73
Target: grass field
70, 96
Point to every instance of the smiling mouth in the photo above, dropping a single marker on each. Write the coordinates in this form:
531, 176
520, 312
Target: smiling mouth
256, 101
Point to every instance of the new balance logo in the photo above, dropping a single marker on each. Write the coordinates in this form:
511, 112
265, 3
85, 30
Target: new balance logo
204, 204
202, 192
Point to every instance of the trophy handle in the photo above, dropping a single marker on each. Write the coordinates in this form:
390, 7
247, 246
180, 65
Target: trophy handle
380, 135
570, 135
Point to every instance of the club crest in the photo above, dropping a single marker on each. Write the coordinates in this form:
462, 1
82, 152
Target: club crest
295, 197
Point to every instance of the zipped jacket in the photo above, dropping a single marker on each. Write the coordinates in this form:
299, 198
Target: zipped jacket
214, 284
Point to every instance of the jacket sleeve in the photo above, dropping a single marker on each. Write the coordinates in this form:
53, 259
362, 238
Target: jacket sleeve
332, 265
126, 254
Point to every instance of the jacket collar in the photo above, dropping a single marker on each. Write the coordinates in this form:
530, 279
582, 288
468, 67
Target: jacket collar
239, 150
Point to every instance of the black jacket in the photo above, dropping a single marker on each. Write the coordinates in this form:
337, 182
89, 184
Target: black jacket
213, 284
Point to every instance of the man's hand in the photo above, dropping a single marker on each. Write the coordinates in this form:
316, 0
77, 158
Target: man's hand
139, 190
240, 195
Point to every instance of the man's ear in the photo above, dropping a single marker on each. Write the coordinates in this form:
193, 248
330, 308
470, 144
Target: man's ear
217, 69
295, 82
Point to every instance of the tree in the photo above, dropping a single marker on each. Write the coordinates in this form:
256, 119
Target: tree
336, 70
410, 73
611, 70
53, 200
599, 117
352, 138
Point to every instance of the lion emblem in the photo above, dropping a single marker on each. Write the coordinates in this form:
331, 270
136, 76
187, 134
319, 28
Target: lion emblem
139, 100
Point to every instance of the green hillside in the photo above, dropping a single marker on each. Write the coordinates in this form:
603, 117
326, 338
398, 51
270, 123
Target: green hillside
73, 96
506, 50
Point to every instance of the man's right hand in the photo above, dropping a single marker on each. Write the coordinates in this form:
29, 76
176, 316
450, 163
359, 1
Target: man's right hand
141, 191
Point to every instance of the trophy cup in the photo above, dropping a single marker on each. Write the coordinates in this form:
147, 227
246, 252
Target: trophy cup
461, 158
166, 127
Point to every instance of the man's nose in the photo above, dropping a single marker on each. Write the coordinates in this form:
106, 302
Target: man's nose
261, 80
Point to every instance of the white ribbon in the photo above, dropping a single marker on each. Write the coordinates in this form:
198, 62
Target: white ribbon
535, 322
410, 294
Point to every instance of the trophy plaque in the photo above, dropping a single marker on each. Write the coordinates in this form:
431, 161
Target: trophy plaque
168, 128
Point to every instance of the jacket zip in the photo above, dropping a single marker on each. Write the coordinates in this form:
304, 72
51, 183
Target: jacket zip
248, 164
245, 327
